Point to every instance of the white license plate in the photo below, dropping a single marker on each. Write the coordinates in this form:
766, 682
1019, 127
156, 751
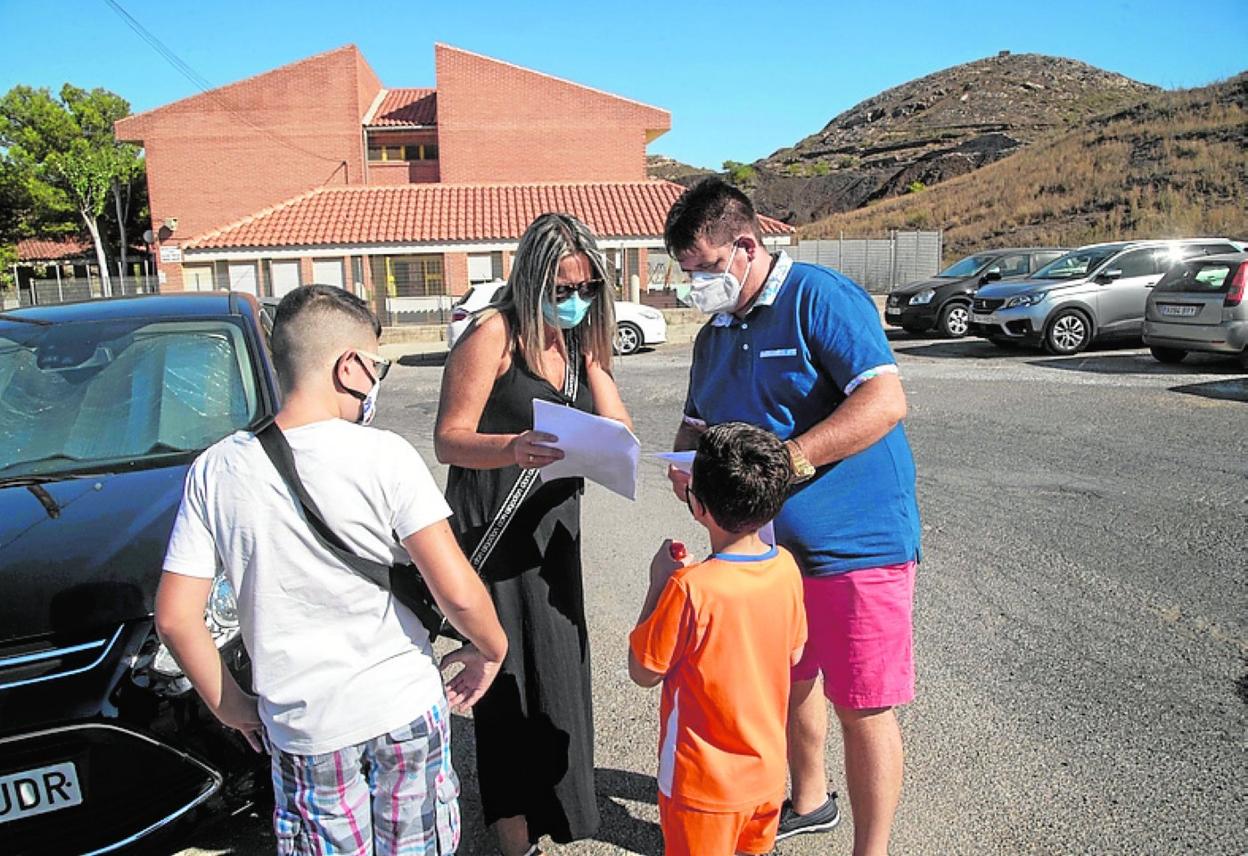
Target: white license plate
893, 310
981, 319
1180, 311
38, 791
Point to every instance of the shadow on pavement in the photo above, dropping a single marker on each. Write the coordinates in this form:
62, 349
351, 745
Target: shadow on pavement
960, 348
1235, 389
619, 827
1143, 364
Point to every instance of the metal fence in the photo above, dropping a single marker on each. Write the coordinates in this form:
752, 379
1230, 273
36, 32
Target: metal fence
877, 264
39, 292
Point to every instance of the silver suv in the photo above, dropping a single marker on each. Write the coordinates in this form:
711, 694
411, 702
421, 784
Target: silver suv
1094, 292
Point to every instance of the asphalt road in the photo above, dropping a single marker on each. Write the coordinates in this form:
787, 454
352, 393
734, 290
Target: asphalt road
1081, 613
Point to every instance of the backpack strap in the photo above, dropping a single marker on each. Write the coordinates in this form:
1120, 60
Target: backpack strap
403, 581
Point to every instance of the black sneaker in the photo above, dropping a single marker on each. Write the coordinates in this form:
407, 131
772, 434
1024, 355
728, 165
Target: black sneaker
820, 820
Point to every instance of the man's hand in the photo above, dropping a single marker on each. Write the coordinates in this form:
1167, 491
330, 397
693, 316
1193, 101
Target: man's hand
680, 481
466, 686
665, 563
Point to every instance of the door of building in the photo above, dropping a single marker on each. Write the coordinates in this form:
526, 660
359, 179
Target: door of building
243, 277
197, 278
285, 277
327, 272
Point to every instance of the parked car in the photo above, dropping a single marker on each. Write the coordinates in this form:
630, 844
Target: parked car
1200, 305
635, 325
103, 406
944, 301
1094, 292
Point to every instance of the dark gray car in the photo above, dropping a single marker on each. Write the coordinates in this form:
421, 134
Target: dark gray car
944, 301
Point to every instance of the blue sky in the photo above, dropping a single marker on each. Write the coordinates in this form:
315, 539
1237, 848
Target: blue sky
740, 80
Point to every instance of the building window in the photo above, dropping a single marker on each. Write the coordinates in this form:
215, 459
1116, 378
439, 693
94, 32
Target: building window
409, 276
408, 152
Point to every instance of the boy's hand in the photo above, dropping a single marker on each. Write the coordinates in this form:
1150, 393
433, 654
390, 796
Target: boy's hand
666, 562
239, 710
466, 687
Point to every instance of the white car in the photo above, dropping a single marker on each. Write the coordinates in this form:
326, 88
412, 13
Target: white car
635, 325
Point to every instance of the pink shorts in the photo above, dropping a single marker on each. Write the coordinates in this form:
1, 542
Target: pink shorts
859, 636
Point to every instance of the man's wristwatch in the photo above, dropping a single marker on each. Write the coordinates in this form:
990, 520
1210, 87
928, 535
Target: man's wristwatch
802, 468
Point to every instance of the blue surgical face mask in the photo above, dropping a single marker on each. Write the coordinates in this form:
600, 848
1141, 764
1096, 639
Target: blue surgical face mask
567, 313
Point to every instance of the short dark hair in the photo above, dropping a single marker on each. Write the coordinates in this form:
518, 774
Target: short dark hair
711, 209
742, 475
311, 319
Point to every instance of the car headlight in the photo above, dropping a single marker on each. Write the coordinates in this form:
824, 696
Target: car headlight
221, 618
923, 297
652, 314
1029, 299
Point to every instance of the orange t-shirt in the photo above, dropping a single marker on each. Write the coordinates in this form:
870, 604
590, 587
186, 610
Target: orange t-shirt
722, 634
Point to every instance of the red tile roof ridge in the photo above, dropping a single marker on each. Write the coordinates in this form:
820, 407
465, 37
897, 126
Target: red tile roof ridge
350, 46
552, 77
251, 218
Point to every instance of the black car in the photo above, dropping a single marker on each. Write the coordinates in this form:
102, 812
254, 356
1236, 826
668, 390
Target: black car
103, 406
944, 301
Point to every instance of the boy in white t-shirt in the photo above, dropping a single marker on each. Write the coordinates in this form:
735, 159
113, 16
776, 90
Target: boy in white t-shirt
350, 700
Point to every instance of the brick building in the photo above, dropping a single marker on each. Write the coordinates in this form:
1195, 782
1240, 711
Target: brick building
315, 172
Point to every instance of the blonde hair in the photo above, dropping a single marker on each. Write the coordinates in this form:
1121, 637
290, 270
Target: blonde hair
549, 240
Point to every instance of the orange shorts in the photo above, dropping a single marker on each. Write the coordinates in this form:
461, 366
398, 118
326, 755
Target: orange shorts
693, 832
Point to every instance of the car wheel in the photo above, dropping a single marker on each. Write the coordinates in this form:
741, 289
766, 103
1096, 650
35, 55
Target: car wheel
1168, 355
628, 338
955, 321
1069, 332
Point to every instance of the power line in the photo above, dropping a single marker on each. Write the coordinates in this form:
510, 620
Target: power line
204, 86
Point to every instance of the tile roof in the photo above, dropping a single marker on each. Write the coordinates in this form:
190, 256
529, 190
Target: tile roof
53, 249
441, 213
406, 107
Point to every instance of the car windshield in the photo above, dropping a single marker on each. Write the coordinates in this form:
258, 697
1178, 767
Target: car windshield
99, 395
1076, 264
968, 266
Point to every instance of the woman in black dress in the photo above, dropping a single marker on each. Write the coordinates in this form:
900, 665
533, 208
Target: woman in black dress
548, 337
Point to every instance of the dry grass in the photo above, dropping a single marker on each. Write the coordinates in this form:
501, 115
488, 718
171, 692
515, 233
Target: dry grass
1175, 165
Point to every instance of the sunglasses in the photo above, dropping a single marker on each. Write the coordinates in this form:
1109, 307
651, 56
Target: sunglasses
381, 366
588, 289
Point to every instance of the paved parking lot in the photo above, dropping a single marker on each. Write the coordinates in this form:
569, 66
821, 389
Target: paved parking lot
1082, 610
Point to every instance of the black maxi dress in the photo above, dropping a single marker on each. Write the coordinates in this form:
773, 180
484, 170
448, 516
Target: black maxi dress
534, 727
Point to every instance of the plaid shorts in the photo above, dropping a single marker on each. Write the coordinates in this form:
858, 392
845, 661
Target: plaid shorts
394, 795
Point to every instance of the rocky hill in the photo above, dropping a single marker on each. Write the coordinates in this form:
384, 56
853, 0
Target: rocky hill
930, 130
1170, 164
670, 169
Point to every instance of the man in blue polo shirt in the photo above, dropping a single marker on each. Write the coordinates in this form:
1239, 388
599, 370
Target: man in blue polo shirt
799, 350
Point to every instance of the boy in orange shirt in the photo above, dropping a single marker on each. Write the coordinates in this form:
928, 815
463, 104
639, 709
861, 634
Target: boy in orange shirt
722, 635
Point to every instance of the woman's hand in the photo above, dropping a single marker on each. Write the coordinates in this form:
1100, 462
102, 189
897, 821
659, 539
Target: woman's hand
532, 450
466, 687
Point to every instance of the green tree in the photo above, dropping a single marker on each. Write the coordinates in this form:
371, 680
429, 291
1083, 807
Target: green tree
60, 159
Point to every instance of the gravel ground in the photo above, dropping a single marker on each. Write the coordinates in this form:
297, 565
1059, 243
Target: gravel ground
1080, 614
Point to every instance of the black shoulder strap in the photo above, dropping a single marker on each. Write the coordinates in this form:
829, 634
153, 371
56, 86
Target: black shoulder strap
275, 446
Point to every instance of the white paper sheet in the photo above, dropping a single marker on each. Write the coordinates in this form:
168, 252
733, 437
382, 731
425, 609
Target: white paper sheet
683, 461
594, 447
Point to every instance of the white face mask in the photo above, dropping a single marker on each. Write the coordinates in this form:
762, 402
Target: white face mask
718, 292
368, 407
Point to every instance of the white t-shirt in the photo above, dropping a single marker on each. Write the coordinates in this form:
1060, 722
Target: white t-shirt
336, 659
